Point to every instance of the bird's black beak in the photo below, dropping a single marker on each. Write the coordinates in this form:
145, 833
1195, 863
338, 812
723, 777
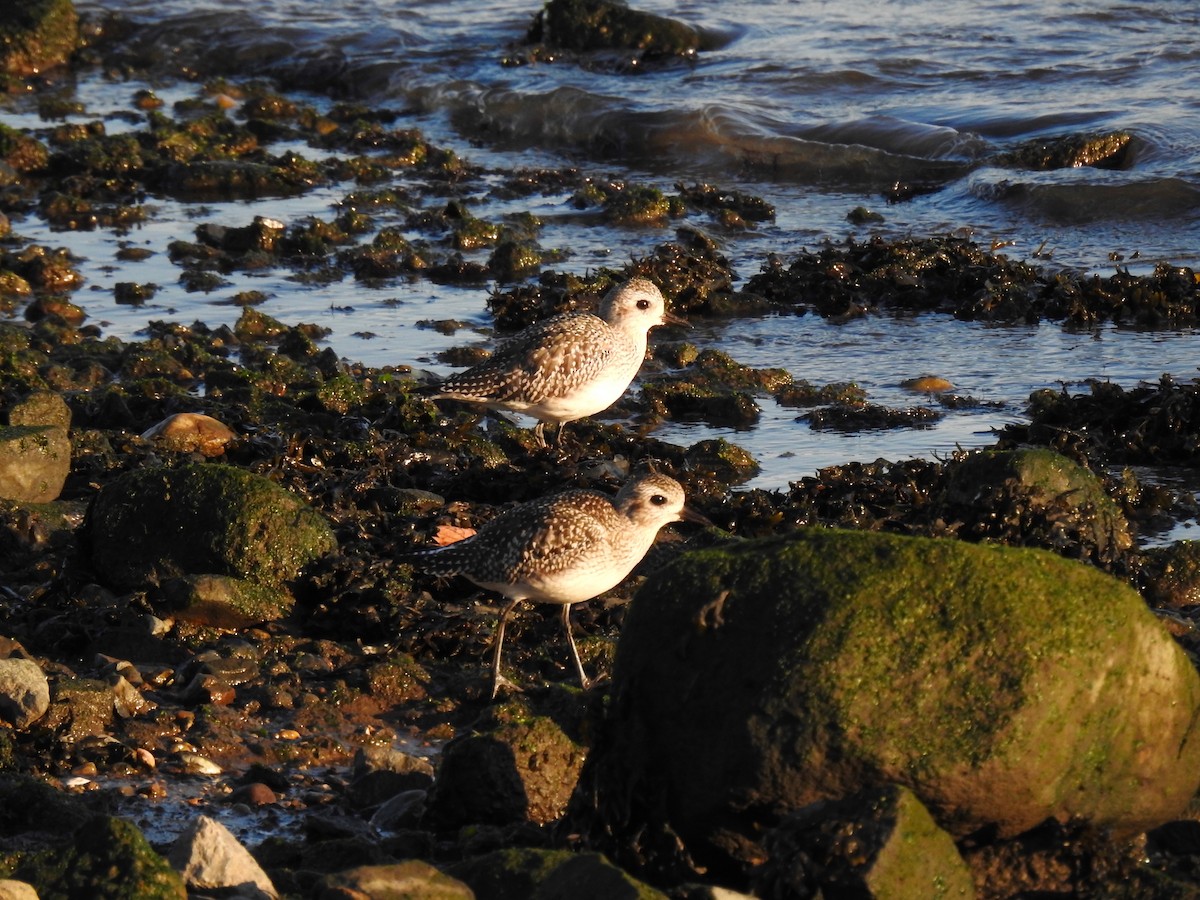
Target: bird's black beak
690, 515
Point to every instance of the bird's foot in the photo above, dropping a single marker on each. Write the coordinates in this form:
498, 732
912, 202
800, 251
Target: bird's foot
499, 682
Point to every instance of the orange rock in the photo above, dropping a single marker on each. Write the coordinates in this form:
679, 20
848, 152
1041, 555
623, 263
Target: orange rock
927, 384
192, 432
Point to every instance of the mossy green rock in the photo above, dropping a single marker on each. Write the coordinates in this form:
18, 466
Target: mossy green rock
154, 524
1051, 482
533, 874
519, 766
36, 35
408, 880
109, 860
1003, 685
876, 843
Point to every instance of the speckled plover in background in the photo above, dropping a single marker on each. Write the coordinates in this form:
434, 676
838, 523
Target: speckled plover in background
565, 548
569, 366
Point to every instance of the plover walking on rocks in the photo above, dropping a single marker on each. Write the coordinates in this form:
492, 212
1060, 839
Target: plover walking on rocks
565, 548
569, 366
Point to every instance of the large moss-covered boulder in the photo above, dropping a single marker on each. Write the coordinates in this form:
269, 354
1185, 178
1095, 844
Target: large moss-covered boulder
153, 525
37, 35
1003, 686
108, 860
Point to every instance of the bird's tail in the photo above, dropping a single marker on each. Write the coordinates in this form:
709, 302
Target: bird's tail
446, 560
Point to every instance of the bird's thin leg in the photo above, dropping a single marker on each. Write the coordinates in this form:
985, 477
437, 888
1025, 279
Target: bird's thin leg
497, 678
558, 435
539, 433
566, 620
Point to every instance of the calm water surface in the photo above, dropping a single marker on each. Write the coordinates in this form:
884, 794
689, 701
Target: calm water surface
818, 107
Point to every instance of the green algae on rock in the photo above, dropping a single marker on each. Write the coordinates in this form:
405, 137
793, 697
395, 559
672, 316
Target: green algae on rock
529, 873
874, 843
37, 35
103, 847
1048, 482
520, 763
405, 880
35, 450
151, 525
1004, 686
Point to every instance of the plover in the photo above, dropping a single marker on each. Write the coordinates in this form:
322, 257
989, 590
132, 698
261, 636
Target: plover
569, 366
564, 548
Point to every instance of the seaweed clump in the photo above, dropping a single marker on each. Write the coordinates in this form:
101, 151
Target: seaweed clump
957, 276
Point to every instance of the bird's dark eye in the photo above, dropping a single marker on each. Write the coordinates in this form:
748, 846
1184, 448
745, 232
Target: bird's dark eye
658, 500
643, 304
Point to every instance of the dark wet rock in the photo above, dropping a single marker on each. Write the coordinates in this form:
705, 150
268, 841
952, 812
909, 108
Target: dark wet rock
537, 874
409, 880
604, 25
382, 773
24, 692
20, 152
626, 204
1110, 150
1003, 686
517, 764
717, 458
1035, 483
210, 859
224, 601
860, 215
1152, 424
37, 35
28, 805
870, 416
955, 275
514, 260
35, 450
44, 270
877, 843
130, 293
710, 198
711, 387
229, 179
154, 524
1170, 576
804, 393
80, 708
1072, 860
85, 868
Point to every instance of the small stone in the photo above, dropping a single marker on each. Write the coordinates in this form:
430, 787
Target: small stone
191, 433
24, 692
254, 794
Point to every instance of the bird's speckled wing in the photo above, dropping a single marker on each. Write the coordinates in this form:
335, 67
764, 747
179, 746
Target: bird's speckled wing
542, 362
537, 539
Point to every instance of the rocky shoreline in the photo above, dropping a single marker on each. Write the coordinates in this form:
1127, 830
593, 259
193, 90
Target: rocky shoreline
199, 598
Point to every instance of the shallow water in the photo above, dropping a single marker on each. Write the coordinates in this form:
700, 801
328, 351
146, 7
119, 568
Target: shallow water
817, 107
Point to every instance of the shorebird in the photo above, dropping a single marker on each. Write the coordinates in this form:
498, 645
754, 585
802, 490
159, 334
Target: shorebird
569, 366
564, 548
